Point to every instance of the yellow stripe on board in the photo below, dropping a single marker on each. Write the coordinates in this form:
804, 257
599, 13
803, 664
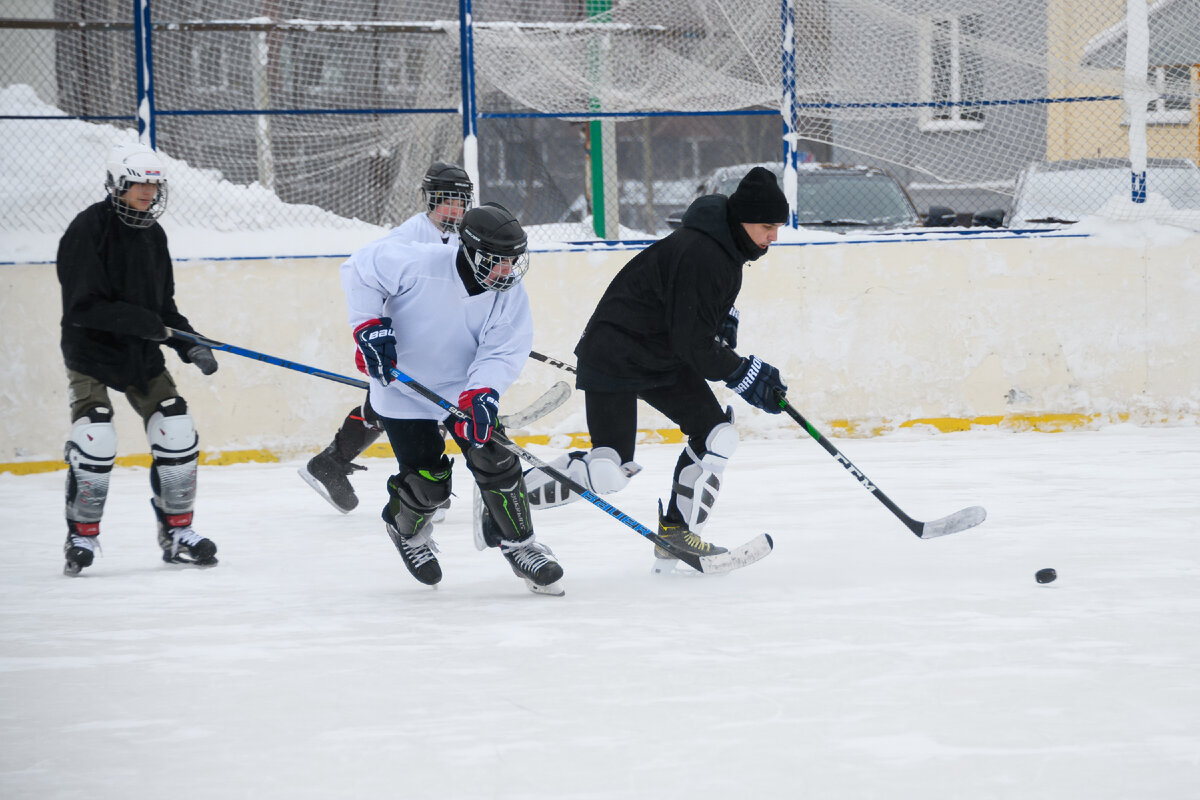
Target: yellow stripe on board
1041, 423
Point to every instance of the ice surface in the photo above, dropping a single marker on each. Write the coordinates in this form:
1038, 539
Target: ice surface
857, 661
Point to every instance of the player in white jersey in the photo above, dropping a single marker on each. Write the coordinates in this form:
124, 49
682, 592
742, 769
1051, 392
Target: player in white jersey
456, 318
446, 191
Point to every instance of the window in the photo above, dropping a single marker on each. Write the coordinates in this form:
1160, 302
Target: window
1173, 105
209, 66
952, 73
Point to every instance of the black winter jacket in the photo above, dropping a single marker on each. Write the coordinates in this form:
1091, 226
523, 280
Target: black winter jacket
118, 286
660, 314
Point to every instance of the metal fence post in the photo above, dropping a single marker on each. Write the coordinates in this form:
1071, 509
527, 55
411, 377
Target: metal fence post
145, 72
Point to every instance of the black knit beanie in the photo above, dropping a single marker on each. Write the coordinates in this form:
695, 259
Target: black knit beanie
758, 198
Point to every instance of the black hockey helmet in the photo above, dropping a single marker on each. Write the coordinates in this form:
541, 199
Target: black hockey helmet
447, 187
495, 244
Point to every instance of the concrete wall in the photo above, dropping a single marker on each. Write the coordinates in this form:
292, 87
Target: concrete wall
869, 336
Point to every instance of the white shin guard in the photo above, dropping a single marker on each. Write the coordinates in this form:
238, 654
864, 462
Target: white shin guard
600, 470
699, 482
175, 451
90, 453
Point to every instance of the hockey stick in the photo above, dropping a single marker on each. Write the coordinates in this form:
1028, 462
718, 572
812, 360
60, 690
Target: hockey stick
551, 399
554, 362
958, 521
748, 553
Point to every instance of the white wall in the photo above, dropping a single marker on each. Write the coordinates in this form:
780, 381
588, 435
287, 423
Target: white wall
868, 336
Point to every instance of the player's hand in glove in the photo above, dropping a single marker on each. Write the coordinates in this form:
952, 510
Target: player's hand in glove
203, 358
727, 330
758, 383
377, 347
483, 408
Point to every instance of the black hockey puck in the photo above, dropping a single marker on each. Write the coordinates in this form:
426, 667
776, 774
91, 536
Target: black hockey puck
1046, 575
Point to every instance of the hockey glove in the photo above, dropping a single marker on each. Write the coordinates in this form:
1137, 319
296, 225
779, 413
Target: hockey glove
203, 358
377, 345
758, 383
483, 408
727, 330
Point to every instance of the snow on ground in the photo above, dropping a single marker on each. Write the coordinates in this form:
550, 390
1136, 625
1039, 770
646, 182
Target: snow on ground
857, 661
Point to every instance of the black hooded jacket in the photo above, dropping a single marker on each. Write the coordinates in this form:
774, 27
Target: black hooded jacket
118, 286
660, 314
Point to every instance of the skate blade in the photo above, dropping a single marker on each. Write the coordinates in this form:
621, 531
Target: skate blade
71, 569
184, 561
555, 589
672, 567
320, 489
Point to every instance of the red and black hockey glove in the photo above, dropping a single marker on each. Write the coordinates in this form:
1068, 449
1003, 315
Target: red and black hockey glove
377, 346
483, 408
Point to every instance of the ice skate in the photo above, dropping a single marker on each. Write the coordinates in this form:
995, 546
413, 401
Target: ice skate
678, 536
181, 544
80, 547
534, 563
418, 553
328, 475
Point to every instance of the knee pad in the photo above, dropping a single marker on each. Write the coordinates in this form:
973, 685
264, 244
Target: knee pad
90, 453
698, 475
175, 454
414, 495
600, 470
492, 465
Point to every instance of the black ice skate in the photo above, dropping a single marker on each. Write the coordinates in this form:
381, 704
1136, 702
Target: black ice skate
534, 563
180, 543
83, 540
418, 553
678, 536
327, 473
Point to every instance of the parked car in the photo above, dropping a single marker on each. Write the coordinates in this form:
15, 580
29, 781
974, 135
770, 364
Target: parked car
835, 197
1053, 193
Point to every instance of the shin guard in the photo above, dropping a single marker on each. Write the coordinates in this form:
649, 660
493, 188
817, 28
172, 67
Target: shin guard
600, 470
414, 495
90, 452
698, 475
175, 455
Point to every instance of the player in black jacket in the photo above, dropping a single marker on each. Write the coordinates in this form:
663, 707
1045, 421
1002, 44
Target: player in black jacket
118, 296
663, 329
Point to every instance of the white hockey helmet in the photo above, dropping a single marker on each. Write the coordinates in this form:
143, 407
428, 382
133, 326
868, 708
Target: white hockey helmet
135, 163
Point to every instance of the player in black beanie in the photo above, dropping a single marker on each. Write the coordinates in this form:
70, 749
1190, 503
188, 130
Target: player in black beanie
664, 328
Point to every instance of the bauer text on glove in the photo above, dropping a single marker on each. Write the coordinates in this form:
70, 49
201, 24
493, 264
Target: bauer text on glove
377, 347
758, 383
483, 408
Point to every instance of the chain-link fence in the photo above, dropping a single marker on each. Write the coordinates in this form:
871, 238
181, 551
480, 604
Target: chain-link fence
599, 120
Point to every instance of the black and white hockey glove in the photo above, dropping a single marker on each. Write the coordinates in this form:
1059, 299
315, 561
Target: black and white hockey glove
727, 331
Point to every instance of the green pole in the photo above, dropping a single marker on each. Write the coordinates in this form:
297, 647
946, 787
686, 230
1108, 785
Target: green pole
600, 133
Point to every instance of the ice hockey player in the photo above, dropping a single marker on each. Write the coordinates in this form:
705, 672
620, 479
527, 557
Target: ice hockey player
446, 191
664, 328
118, 297
456, 318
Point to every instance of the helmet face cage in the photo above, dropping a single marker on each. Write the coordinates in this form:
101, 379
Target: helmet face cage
439, 201
129, 165
497, 272
447, 190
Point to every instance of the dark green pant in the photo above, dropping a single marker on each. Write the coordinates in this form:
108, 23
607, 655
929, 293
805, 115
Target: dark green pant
86, 393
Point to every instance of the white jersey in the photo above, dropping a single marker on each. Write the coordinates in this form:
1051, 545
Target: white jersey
420, 228
445, 339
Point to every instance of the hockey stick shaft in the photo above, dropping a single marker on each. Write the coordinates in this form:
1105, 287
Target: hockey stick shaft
581, 490
554, 362
959, 521
554, 397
